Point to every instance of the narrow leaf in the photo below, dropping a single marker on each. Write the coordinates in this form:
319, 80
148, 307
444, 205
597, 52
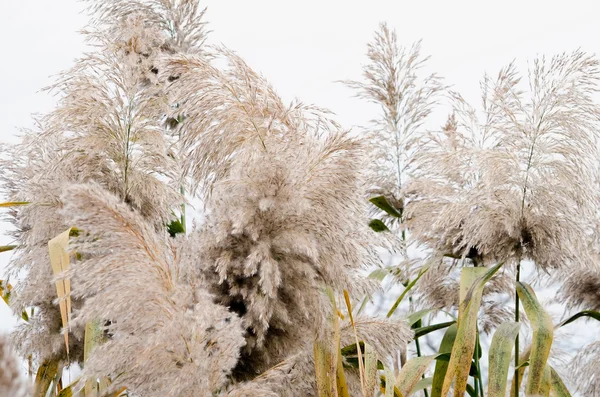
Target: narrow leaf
472, 282
382, 203
416, 316
342, 387
361, 365
14, 203
93, 337
378, 226
175, 227
379, 274
66, 392
524, 362
431, 328
558, 387
407, 289
370, 380
323, 363
59, 259
45, 376
585, 313
422, 384
546, 383
390, 382
6, 248
543, 330
499, 358
411, 373
442, 366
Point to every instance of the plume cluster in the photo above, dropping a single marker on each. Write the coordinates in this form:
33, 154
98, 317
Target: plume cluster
165, 335
517, 181
394, 80
233, 306
276, 184
222, 308
107, 128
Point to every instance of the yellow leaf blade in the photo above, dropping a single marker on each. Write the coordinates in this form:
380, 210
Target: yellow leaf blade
499, 358
411, 374
472, 282
370, 370
6, 248
13, 203
558, 387
546, 385
59, 259
44, 377
543, 330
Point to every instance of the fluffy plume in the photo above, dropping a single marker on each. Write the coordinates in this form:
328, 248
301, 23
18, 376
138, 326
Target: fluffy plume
277, 183
237, 303
231, 112
114, 129
34, 172
394, 80
165, 336
11, 382
518, 181
108, 128
586, 372
581, 289
179, 23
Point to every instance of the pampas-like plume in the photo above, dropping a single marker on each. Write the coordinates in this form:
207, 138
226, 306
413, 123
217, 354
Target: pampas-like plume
113, 123
282, 186
107, 128
231, 111
180, 22
278, 187
166, 337
31, 173
393, 80
518, 182
586, 372
11, 382
581, 289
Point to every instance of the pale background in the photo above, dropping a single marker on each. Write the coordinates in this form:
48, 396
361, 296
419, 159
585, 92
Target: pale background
304, 47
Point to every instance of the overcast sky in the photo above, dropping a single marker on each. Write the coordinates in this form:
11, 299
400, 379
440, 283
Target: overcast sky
303, 47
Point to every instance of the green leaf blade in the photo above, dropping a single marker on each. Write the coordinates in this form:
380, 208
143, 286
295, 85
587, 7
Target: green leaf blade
500, 357
543, 332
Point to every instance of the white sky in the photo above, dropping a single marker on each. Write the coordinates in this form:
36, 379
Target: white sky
303, 47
